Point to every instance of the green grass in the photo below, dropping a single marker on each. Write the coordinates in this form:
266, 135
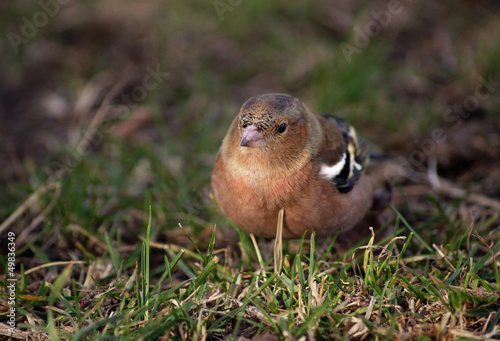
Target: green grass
380, 290
127, 242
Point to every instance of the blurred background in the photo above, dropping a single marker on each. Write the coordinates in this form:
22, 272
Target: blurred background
107, 107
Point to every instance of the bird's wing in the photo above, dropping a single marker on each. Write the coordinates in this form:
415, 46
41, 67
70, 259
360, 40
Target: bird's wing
345, 166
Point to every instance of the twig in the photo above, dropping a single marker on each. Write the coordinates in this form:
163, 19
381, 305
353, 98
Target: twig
278, 243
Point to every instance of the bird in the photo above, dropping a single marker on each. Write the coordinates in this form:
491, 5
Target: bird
278, 154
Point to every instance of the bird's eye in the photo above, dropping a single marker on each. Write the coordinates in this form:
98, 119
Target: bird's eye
281, 129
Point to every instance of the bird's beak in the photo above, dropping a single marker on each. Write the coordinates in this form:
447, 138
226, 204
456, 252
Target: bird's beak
251, 137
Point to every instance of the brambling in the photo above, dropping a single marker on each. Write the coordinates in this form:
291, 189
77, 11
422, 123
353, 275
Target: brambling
279, 154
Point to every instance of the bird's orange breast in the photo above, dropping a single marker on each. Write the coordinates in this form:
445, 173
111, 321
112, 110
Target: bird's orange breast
253, 202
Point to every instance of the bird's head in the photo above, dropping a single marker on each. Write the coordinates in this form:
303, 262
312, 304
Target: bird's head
274, 129
272, 121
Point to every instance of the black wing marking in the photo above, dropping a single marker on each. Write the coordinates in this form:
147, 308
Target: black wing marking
356, 156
